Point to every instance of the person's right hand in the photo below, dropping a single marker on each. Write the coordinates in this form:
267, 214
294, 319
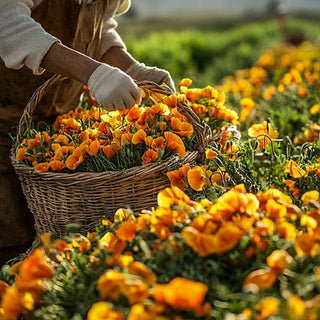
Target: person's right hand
113, 89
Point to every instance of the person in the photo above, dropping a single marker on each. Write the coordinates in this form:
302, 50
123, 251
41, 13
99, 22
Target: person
76, 38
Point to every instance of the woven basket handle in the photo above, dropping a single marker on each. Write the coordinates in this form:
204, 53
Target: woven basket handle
32, 104
201, 131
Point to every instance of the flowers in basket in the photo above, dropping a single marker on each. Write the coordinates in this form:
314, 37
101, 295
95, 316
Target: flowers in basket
92, 139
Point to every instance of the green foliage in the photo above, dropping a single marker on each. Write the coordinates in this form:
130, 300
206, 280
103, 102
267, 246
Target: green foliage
208, 55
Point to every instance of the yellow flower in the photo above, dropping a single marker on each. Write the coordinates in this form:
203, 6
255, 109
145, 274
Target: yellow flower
267, 307
263, 128
110, 285
294, 170
310, 195
295, 308
315, 109
124, 215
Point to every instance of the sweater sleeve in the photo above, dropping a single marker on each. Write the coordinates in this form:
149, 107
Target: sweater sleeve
110, 37
23, 41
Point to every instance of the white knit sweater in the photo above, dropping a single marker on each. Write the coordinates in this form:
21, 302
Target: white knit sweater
23, 41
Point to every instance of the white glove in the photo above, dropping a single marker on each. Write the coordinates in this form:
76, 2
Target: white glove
140, 72
113, 88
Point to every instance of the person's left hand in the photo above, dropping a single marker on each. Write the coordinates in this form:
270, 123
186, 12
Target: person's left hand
140, 72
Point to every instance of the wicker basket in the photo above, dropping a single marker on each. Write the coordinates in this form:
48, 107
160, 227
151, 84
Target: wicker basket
57, 199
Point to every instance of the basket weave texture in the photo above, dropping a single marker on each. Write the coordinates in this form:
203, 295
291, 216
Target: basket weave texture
57, 199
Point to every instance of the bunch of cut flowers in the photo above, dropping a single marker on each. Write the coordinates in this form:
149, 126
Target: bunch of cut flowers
92, 139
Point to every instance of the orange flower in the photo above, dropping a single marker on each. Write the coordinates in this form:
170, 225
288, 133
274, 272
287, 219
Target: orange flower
182, 128
170, 197
134, 113
139, 136
228, 236
82, 243
112, 244
103, 311
110, 284
263, 128
36, 266
56, 165
111, 150
279, 260
139, 311
181, 293
62, 139
267, 307
21, 154
135, 290
260, 278
175, 144
295, 307
185, 82
127, 230
75, 159
149, 156
178, 178
275, 210
294, 170
196, 178
139, 269
157, 143
312, 195
93, 148
42, 167
160, 108
247, 105
14, 303
210, 154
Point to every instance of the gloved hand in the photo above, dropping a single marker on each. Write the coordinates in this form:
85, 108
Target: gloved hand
140, 72
112, 88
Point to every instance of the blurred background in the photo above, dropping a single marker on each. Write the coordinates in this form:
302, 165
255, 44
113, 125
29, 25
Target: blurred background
206, 40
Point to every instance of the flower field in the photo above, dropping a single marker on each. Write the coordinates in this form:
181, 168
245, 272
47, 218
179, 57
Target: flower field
235, 236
